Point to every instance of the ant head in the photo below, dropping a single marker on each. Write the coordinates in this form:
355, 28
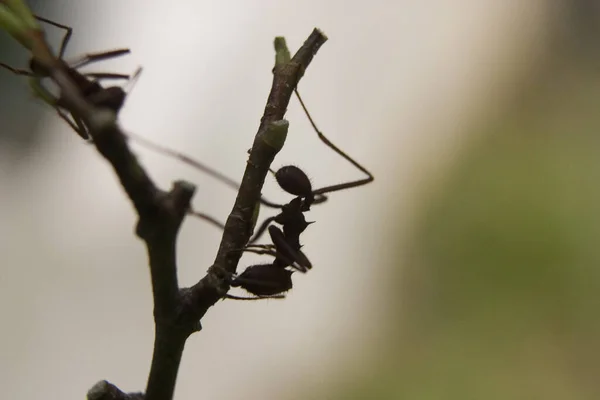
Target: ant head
294, 181
111, 98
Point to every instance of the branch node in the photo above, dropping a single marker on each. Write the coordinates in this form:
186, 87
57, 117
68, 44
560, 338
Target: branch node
104, 390
282, 53
275, 134
181, 195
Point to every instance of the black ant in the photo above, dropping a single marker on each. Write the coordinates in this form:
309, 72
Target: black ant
274, 279
87, 83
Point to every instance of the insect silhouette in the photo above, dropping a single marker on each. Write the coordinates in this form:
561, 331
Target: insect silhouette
271, 280
88, 84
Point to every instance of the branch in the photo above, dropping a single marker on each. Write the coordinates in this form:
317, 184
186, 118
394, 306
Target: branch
240, 224
160, 215
177, 312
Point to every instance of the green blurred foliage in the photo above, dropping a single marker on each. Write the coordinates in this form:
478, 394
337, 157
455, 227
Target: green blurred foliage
500, 293
21, 115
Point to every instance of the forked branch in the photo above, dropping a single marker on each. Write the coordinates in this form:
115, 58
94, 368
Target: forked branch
178, 311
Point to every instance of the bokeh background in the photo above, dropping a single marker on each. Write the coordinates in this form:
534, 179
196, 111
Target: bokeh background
468, 270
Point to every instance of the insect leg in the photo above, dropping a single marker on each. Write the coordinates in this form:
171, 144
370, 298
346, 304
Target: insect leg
65, 40
328, 143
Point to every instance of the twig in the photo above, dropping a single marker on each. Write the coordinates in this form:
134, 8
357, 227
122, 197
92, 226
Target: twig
239, 225
177, 312
160, 215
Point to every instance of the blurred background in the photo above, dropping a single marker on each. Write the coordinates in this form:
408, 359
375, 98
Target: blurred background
468, 270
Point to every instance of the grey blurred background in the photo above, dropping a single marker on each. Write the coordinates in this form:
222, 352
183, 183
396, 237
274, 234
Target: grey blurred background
469, 269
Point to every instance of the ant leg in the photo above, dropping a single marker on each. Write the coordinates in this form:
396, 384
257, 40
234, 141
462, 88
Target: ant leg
104, 75
319, 193
132, 80
260, 251
16, 71
266, 248
165, 151
185, 159
207, 218
68, 31
288, 259
288, 251
328, 143
233, 297
94, 57
77, 126
261, 229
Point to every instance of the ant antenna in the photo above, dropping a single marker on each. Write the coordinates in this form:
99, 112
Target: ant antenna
90, 58
211, 220
16, 71
185, 159
113, 97
130, 84
274, 296
86, 58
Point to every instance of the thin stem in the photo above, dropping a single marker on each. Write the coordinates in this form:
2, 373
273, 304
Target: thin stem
238, 227
166, 359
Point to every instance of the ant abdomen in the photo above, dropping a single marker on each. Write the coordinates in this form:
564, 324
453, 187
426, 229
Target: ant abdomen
264, 280
294, 181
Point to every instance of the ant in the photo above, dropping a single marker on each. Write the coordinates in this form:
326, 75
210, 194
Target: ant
87, 83
269, 280
274, 279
